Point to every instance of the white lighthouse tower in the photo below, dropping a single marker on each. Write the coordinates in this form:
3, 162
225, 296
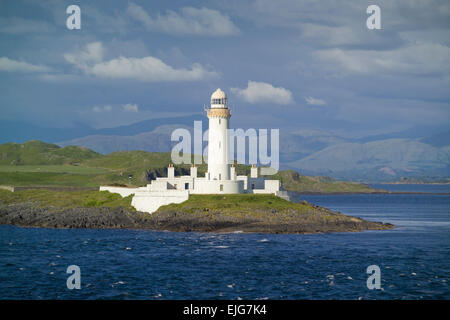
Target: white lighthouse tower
218, 115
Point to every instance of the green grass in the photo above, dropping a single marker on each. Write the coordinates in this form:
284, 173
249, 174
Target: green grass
248, 204
36, 152
54, 169
48, 179
67, 199
139, 164
130, 159
255, 208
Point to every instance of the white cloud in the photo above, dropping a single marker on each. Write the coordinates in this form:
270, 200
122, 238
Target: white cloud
148, 68
418, 59
263, 92
315, 101
10, 65
189, 20
130, 107
106, 108
93, 52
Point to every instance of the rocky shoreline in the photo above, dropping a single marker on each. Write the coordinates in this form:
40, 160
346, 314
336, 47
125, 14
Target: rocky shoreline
27, 214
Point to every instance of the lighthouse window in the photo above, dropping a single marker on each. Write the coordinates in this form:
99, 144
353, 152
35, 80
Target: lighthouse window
219, 101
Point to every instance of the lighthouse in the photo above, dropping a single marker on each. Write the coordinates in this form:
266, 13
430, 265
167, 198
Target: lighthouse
219, 179
218, 115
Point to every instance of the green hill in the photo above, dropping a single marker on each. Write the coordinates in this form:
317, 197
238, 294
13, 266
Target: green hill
36, 152
37, 163
293, 181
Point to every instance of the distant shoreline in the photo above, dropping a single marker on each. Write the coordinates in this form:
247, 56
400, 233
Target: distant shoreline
406, 183
375, 192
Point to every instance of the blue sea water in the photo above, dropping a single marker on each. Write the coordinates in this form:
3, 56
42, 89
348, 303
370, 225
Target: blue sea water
414, 258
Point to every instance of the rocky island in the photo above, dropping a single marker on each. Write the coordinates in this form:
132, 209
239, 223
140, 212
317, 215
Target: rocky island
201, 213
56, 187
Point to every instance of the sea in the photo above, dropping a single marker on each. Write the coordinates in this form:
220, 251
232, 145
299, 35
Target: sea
412, 261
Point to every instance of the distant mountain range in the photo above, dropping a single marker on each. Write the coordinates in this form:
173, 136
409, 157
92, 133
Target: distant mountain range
387, 157
157, 140
19, 132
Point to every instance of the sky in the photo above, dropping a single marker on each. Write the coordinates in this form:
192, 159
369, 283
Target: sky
284, 64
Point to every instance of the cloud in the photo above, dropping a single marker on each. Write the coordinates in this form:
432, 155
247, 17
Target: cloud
149, 69
10, 65
395, 14
189, 20
108, 108
102, 109
416, 59
263, 92
315, 102
93, 52
130, 107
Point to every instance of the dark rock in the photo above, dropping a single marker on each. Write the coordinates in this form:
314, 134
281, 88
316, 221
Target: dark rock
272, 221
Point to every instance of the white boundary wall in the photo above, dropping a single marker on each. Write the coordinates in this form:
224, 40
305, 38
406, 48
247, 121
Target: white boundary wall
151, 201
162, 191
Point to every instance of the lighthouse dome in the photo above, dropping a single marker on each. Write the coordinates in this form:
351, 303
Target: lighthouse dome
218, 99
218, 94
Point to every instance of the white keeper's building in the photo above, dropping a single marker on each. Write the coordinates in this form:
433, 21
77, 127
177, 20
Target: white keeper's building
220, 178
